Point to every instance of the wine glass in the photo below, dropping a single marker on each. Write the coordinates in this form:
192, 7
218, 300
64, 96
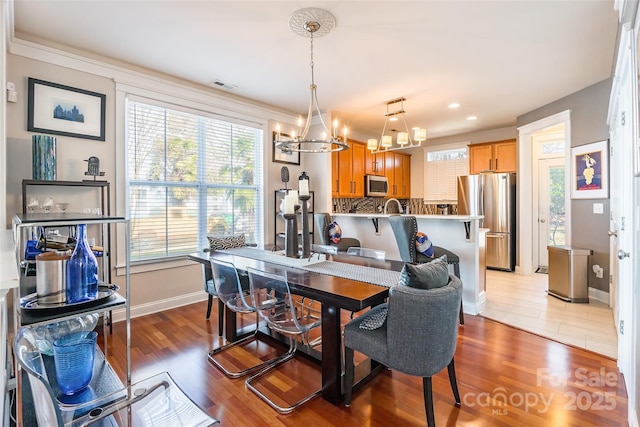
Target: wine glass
46, 204
32, 204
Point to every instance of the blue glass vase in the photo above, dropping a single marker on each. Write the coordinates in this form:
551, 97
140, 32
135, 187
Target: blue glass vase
82, 270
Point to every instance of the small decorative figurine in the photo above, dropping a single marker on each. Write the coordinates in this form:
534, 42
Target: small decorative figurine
93, 168
284, 176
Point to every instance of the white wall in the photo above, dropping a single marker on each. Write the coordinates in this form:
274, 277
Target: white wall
176, 283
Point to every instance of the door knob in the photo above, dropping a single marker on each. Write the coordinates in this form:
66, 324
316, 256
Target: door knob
612, 233
622, 254
543, 220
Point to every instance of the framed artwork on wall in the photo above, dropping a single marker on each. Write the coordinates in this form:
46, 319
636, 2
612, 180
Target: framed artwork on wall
64, 110
590, 171
280, 156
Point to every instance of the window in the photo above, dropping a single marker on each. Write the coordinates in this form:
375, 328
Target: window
442, 168
189, 175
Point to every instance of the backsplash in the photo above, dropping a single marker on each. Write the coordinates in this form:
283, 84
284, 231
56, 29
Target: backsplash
376, 205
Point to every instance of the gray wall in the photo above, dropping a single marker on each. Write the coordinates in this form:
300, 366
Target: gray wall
589, 109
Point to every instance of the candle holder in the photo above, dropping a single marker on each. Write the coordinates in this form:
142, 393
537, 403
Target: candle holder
306, 242
290, 235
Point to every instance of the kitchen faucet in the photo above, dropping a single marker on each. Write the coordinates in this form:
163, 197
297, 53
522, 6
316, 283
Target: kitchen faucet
387, 203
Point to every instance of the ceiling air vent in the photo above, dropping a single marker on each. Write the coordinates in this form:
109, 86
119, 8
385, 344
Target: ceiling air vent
220, 83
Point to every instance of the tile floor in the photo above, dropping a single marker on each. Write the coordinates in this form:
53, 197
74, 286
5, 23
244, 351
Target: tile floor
522, 301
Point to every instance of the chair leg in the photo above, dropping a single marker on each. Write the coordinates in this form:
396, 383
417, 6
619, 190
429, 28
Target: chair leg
280, 361
428, 401
452, 379
348, 375
461, 314
209, 303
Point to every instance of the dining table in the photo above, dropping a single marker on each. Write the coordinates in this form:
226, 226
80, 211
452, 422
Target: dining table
338, 282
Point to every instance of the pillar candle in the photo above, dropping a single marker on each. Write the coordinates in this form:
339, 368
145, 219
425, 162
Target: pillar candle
288, 204
303, 187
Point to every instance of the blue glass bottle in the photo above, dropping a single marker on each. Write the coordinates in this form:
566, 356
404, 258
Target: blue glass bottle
82, 270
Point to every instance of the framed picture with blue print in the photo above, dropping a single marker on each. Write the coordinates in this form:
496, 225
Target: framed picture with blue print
57, 109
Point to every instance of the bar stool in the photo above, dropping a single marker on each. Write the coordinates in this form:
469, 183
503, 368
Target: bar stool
323, 220
405, 229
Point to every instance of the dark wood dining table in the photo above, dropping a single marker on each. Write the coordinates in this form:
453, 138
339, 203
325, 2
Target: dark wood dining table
333, 293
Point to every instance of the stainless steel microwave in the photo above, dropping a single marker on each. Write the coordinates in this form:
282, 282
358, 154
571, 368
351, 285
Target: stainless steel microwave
376, 186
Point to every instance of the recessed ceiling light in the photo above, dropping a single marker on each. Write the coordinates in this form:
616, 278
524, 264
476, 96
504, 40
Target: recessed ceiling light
454, 105
471, 118
393, 119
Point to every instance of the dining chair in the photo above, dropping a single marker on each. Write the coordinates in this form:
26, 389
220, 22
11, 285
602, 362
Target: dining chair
323, 222
157, 400
405, 230
218, 242
418, 336
234, 291
292, 317
324, 249
367, 252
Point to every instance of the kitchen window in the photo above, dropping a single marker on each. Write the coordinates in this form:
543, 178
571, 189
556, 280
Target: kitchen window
190, 175
441, 171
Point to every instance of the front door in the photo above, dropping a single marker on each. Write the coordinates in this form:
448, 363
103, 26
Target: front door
551, 207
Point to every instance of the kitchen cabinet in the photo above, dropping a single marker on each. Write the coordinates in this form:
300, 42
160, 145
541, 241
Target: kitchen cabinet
348, 171
499, 156
105, 383
373, 163
398, 171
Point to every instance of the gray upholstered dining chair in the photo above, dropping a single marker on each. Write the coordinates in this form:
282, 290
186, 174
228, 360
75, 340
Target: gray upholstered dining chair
323, 221
418, 336
233, 290
405, 230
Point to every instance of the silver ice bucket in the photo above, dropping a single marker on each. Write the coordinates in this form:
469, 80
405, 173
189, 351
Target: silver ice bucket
51, 277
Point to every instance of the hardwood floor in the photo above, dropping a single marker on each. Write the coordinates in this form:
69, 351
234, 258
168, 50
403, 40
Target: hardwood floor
506, 377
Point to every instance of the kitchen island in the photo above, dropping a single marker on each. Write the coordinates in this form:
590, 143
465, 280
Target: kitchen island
460, 234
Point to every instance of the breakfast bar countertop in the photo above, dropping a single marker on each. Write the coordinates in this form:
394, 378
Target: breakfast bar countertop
445, 217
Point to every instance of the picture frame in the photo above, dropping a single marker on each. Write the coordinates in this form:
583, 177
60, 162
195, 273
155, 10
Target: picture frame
590, 171
279, 156
64, 110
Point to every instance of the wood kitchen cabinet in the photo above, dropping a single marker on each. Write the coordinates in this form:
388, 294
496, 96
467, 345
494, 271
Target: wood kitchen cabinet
373, 163
348, 169
499, 156
398, 172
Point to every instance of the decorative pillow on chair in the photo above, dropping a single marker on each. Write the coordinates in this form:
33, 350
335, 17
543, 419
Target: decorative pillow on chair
429, 275
228, 242
424, 245
335, 232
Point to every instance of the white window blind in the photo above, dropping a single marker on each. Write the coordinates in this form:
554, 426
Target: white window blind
189, 176
442, 167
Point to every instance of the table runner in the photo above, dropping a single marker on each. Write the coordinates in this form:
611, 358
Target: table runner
374, 276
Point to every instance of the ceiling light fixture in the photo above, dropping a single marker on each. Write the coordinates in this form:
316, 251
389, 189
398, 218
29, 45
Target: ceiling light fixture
453, 105
404, 139
312, 22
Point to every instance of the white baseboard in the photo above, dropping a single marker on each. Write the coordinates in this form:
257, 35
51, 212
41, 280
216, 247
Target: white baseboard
599, 295
161, 305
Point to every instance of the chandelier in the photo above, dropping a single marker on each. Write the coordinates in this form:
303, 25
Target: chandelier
404, 139
312, 22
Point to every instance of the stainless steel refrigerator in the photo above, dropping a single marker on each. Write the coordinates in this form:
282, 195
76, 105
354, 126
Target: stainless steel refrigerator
494, 196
